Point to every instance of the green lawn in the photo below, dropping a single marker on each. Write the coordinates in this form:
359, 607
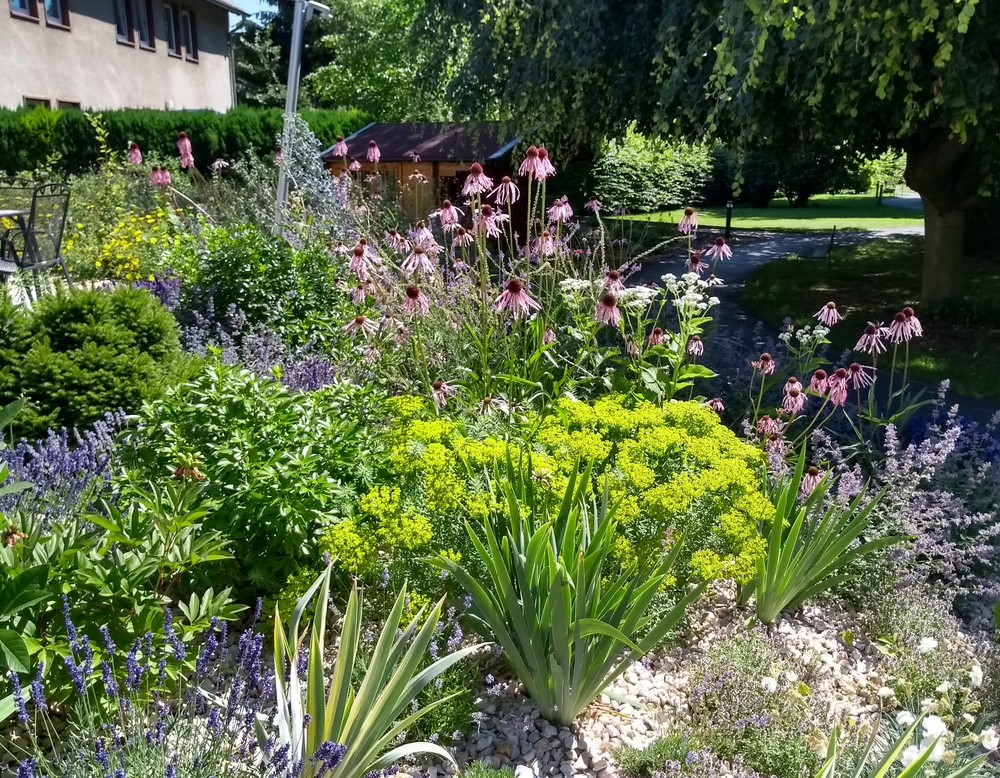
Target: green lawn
845, 212
875, 281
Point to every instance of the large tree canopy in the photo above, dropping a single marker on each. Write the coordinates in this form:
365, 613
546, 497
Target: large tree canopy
923, 75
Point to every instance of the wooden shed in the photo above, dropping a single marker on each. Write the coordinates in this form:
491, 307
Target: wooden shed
439, 153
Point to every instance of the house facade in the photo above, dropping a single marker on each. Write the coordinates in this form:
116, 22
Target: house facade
107, 54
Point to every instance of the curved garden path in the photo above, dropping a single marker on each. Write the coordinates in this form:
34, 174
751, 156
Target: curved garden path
740, 325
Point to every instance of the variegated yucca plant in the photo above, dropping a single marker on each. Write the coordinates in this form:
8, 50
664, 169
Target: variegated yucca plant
363, 716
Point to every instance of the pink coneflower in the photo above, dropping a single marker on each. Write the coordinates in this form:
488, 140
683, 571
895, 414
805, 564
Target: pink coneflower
414, 157
339, 148
548, 337
134, 154
631, 348
718, 250
837, 385
765, 364
184, 149
858, 376
154, 175
714, 280
768, 426
341, 249
899, 329
491, 405
507, 192
360, 263
440, 392
546, 244
355, 166
529, 165
694, 263
688, 222
417, 176
916, 328
370, 355
560, 211
449, 216
828, 315
818, 382
361, 292
488, 220
279, 156
396, 242
422, 235
516, 300
607, 311
695, 346
716, 405
810, 480
794, 401
396, 330
871, 340
360, 325
416, 301
374, 154
545, 168
165, 179
792, 383
656, 337
477, 181
462, 238
417, 261
593, 205
612, 282
218, 166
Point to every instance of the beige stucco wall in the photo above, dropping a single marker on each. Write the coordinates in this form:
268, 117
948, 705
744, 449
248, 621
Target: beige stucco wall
87, 65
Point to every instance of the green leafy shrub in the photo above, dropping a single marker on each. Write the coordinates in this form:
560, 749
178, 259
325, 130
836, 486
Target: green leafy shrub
28, 137
480, 770
294, 292
117, 571
80, 354
745, 703
283, 465
925, 655
644, 174
647, 762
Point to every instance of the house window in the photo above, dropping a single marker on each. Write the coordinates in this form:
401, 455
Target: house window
144, 23
68, 105
35, 102
190, 34
57, 13
123, 21
170, 31
24, 8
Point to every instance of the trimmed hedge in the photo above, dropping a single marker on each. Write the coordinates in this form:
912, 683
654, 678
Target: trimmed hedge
30, 137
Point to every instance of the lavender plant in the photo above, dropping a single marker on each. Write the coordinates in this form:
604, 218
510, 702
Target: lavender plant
202, 719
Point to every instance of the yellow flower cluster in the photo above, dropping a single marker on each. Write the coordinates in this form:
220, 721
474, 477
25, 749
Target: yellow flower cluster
384, 526
131, 250
669, 469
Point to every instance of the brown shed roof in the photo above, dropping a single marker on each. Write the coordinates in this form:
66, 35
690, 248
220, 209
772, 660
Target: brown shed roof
433, 142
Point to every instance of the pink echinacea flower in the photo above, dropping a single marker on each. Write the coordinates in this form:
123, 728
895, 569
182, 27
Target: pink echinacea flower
689, 222
828, 315
477, 182
339, 148
516, 300
416, 301
719, 250
374, 153
134, 154
440, 392
607, 311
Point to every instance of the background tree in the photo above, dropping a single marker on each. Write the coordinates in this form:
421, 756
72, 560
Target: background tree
859, 75
372, 56
258, 67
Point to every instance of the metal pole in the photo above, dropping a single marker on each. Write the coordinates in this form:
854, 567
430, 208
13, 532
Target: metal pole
291, 98
729, 219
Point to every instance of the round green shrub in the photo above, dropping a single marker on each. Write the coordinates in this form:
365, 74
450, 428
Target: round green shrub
82, 354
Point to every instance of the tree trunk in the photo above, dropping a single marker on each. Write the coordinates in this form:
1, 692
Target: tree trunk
947, 174
943, 230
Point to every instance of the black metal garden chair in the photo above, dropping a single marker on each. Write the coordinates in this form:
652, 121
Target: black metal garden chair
35, 245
